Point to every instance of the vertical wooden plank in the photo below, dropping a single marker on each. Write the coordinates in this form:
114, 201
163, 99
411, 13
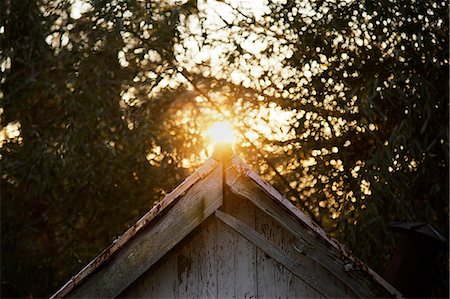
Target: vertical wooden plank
207, 258
245, 252
236, 256
187, 271
266, 267
225, 257
158, 282
197, 269
236, 272
265, 270
164, 283
196, 263
275, 281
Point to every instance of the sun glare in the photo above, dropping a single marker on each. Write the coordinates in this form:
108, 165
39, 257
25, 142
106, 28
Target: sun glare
222, 132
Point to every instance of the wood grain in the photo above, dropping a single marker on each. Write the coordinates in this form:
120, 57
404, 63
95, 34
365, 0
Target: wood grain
240, 181
306, 274
145, 249
275, 281
236, 255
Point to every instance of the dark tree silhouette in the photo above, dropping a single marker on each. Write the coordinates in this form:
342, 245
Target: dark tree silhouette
343, 106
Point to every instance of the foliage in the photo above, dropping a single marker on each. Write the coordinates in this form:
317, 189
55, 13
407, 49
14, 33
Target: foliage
78, 175
343, 106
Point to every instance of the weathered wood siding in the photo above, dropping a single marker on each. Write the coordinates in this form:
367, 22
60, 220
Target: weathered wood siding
226, 233
145, 249
215, 261
339, 273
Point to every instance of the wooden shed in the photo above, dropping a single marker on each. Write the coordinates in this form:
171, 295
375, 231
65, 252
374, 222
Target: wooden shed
225, 233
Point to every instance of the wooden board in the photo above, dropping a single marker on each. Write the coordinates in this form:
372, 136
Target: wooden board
314, 245
226, 235
187, 271
275, 281
219, 261
140, 253
143, 223
236, 255
215, 261
200, 268
313, 278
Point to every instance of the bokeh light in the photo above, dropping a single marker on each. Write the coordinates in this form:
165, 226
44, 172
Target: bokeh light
222, 132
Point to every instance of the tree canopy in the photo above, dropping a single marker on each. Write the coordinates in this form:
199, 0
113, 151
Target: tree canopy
342, 105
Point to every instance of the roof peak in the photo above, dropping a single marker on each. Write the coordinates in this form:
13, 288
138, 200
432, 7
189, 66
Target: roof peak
198, 197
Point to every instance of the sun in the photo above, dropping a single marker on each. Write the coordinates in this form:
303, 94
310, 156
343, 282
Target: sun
222, 132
